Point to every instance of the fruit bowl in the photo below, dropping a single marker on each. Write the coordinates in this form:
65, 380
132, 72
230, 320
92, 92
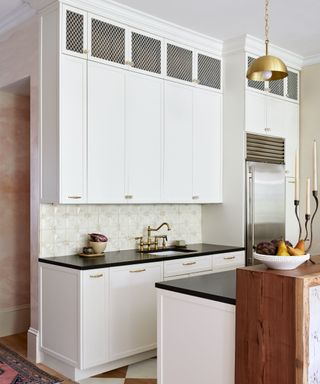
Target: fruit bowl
281, 262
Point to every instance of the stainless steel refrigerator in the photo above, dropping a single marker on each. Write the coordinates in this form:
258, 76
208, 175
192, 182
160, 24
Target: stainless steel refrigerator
265, 203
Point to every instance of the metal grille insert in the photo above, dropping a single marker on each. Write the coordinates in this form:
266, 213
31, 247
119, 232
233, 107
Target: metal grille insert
254, 84
179, 62
146, 53
107, 41
277, 87
292, 85
74, 32
265, 149
209, 71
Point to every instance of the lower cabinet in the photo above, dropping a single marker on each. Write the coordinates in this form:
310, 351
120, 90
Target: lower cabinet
132, 309
95, 320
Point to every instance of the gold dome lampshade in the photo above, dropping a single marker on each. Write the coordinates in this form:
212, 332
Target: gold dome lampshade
266, 68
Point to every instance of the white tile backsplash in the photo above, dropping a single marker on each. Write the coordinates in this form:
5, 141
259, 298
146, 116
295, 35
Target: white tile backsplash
64, 228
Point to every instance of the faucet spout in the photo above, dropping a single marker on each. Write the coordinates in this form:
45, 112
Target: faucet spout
157, 229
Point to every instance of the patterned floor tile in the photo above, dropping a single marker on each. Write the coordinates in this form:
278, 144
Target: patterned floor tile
144, 370
95, 380
116, 373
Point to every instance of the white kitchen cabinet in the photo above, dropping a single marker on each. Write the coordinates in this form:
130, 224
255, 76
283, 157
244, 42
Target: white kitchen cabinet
73, 130
275, 116
255, 113
133, 308
178, 127
106, 134
228, 261
291, 116
143, 116
185, 266
74, 31
94, 315
196, 340
207, 146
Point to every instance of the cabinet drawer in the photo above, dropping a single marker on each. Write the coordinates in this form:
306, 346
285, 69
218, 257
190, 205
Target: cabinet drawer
228, 260
187, 265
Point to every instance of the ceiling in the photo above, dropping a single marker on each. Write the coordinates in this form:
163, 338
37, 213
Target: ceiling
294, 24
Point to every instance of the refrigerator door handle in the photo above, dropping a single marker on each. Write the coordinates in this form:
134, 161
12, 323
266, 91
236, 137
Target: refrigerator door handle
250, 217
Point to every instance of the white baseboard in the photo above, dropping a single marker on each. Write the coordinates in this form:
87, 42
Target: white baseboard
34, 352
14, 320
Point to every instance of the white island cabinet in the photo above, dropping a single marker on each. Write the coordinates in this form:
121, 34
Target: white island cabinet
196, 335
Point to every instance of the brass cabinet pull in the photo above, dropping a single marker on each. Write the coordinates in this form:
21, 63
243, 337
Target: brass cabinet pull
130, 63
191, 263
229, 258
85, 51
196, 197
137, 270
74, 197
128, 196
96, 276
196, 81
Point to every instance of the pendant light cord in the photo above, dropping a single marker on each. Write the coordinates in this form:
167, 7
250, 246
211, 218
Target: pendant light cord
266, 27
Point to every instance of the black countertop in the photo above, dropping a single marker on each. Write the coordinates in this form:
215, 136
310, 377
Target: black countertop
215, 286
132, 256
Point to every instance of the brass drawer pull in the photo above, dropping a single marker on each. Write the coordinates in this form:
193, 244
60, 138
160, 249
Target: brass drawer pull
128, 196
96, 276
191, 263
137, 270
229, 258
74, 197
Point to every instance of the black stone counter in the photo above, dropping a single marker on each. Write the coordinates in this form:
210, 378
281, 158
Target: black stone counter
132, 256
215, 286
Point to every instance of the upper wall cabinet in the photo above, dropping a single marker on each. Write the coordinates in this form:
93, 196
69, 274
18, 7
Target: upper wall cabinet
287, 88
179, 62
74, 32
208, 70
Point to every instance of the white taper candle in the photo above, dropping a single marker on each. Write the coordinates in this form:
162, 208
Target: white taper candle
297, 186
308, 198
315, 172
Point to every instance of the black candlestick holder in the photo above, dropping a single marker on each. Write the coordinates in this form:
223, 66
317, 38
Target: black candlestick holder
308, 225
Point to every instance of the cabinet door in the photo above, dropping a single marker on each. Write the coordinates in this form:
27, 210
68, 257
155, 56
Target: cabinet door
275, 116
73, 129
146, 52
178, 143
94, 345
208, 71
255, 113
106, 141
179, 62
74, 32
291, 124
207, 144
107, 41
292, 228
133, 308
143, 138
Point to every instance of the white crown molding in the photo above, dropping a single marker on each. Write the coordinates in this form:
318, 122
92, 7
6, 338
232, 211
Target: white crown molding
311, 60
152, 24
17, 17
256, 47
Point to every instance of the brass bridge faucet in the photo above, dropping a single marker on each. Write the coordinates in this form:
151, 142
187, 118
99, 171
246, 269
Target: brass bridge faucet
153, 242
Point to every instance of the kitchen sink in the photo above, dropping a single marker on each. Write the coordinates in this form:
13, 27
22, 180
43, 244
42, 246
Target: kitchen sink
170, 252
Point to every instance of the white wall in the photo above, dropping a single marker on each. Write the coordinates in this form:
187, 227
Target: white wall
20, 59
309, 131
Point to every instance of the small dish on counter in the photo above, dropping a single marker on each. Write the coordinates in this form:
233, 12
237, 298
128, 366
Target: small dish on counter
90, 254
281, 262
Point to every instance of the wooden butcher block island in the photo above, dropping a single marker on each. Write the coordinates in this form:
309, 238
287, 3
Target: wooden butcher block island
278, 325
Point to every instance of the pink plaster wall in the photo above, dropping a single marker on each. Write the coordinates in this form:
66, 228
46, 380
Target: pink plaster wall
14, 200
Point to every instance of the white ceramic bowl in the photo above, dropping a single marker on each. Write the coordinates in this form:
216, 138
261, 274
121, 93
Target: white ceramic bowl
98, 246
281, 262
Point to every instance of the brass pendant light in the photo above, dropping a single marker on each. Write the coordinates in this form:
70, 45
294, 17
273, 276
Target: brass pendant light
266, 68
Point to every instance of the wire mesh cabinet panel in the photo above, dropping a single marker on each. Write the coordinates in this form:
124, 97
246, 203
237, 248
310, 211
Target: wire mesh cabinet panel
74, 32
276, 87
179, 62
107, 41
259, 85
146, 52
293, 85
208, 71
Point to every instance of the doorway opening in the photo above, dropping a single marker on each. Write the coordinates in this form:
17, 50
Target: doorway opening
15, 208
